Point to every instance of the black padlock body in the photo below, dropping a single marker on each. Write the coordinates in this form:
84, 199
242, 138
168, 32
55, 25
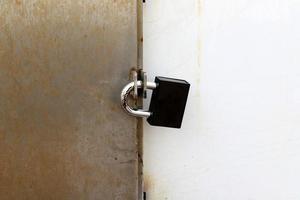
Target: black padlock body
168, 102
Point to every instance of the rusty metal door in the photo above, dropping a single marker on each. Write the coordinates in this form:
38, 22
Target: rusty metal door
63, 134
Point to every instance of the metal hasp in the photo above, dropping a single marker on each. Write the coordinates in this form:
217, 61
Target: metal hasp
167, 104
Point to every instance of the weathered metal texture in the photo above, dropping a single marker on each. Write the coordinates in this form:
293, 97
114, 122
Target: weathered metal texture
63, 134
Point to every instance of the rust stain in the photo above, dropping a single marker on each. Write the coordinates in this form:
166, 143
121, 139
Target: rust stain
155, 188
149, 184
18, 2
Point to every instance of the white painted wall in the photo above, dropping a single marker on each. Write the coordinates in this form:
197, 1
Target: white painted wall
241, 133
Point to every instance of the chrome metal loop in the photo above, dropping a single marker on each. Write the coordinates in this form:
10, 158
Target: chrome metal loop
124, 98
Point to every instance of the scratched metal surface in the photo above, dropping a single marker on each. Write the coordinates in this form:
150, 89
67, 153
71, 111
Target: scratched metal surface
62, 132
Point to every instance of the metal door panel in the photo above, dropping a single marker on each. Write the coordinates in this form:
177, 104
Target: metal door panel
62, 132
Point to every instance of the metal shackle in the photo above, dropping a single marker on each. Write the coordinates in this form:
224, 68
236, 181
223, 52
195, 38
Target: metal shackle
126, 92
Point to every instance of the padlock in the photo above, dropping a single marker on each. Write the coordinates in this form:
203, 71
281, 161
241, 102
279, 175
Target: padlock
167, 103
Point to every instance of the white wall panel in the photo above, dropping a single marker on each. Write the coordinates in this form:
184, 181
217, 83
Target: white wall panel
241, 132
